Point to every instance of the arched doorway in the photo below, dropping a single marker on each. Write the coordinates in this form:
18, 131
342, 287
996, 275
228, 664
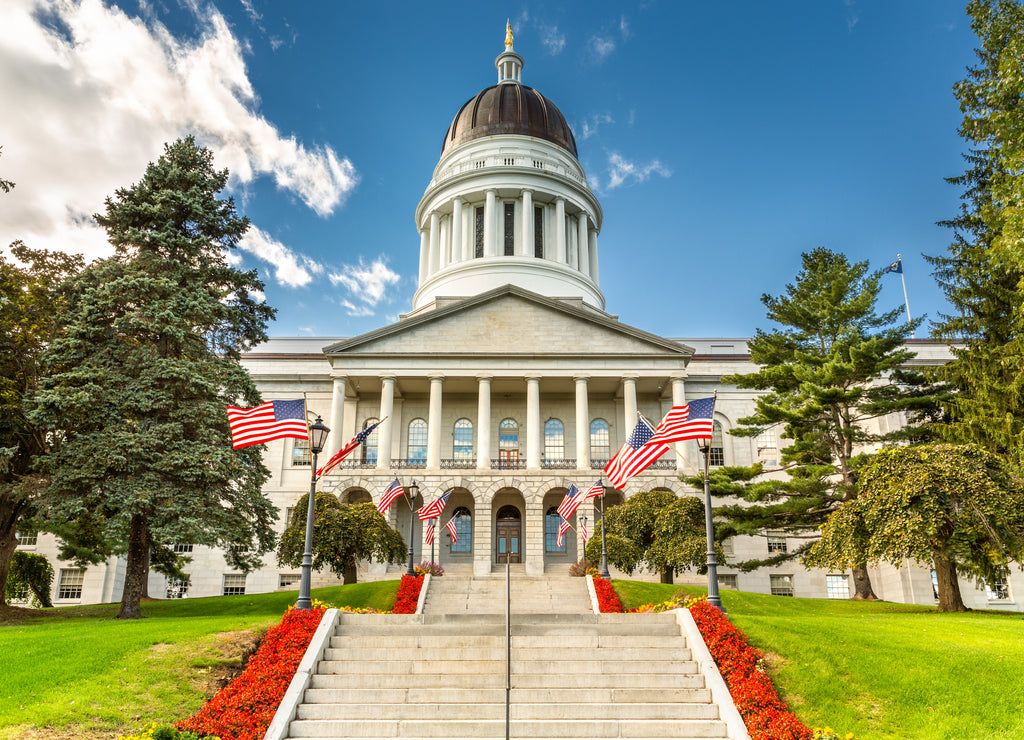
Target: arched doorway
509, 531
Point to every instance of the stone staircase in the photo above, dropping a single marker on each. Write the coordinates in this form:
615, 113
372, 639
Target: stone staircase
575, 674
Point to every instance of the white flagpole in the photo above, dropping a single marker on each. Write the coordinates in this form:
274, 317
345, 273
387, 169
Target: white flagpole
906, 301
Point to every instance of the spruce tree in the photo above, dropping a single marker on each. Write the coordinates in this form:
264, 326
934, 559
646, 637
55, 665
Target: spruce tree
833, 366
148, 363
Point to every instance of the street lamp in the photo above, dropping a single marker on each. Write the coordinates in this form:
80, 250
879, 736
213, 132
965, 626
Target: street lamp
713, 598
412, 491
317, 439
604, 540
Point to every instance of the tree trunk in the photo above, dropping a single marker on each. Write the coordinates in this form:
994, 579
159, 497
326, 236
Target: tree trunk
949, 586
350, 573
135, 570
862, 590
8, 544
666, 575
145, 576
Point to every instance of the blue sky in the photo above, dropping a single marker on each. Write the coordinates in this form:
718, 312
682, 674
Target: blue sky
723, 139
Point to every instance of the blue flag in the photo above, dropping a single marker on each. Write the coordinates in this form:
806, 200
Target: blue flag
896, 267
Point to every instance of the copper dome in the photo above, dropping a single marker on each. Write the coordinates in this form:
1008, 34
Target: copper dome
509, 108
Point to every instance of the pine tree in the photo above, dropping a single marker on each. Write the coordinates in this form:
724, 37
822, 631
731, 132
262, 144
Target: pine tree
833, 366
150, 360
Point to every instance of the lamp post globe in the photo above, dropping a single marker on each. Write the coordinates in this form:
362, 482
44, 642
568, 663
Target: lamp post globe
712, 563
317, 439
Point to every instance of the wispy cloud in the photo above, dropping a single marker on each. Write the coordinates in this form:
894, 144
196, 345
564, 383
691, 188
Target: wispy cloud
600, 47
852, 14
589, 126
290, 268
621, 171
368, 284
64, 64
552, 39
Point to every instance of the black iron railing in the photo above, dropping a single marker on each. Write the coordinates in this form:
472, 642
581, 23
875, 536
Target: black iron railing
458, 463
497, 464
409, 462
566, 463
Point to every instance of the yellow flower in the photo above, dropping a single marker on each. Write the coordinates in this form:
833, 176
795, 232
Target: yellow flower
849, 736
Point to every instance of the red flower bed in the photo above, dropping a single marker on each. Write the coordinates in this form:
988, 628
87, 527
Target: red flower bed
767, 717
607, 600
408, 595
244, 708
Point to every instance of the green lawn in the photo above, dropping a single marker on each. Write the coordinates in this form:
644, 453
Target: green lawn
79, 672
882, 670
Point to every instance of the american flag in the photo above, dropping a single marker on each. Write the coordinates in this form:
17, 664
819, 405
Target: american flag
266, 422
394, 491
428, 537
562, 529
583, 530
594, 491
634, 456
694, 420
450, 526
435, 507
341, 454
571, 502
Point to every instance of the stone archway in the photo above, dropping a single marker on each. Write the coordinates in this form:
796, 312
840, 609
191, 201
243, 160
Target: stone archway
508, 534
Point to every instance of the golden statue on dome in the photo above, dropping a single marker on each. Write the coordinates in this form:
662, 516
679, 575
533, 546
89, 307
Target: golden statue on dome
508, 33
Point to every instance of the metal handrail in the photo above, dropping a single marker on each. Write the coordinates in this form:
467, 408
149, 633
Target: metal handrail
508, 640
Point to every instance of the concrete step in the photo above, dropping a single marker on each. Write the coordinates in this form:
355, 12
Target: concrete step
497, 666
496, 728
562, 654
634, 681
518, 711
576, 642
450, 695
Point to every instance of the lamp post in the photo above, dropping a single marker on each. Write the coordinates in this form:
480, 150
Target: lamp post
713, 597
317, 438
412, 492
604, 540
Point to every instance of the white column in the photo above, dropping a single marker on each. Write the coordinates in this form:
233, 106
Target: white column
387, 409
445, 243
582, 423
483, 423
434, 422
468, 233
593, 255
629, 396
424, 255
584, 243
435, 239
678, 399
337, 437
533, 428
490, 242
457, 254
527, 240
560, 250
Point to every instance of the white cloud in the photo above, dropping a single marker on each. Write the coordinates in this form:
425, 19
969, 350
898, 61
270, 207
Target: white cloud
600, 47
624, 28
91, 95
353, 310
291, 269
852, 14
367, 283
590, 125
622, 171
553, 41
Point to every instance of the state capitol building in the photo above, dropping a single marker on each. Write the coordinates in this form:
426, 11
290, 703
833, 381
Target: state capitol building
507, 381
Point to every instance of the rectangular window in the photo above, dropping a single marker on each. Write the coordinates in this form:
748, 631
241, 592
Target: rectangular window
288, 515
510, 229
998, 590
837, 586
782, 585
287, 580
777, 542
727, 580
26, 539
176, 588
234, 584
551, 522
478, 235
69, 583
300, 452
181, 548
767, 448
727, 547
538, 232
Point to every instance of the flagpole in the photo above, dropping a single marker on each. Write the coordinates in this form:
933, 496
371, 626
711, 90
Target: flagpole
604, 539
906, 301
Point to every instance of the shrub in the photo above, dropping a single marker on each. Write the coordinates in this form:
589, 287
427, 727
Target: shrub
408, 594
580, 568
32, 575
426, 566
607, 600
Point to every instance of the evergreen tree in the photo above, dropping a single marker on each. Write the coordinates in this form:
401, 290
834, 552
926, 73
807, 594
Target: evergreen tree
982, 273
833, 366
148, 363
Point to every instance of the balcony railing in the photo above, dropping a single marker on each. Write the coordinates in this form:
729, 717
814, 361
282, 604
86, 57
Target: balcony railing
409, 462
508, 464
566, 463
458, 463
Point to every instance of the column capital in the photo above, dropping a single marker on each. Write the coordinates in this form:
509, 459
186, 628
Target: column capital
438, 377
681, 375
533, 376
581, 377
630, 376
388, 376
484, 377
524, 191
559, 199
339, 375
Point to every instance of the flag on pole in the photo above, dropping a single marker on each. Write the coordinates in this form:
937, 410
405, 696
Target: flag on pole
266, 422
435, 507
635, 455
341, 454
450, 526
694, 420
594, 491
428, 537
562, 529
571, 502
394, 491
896, 267
583, 531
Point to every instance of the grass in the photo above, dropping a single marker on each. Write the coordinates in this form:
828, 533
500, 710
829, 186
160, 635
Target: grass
882, 670
78, 672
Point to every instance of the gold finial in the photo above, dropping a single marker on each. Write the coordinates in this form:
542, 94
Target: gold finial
508, 33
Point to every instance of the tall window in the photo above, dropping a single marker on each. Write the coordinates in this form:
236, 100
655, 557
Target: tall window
234, 584
510, 229
26, 539
728, 580
287, 580
464, 529
782, 586
551, 522
176, 588
300, 452
776, 542
462, 446
716, 455
508, 435
999, 589
600, 445
478, 233
554, 441
69, 583
417, 441
370, 445
837, 586
538, 232
767, 448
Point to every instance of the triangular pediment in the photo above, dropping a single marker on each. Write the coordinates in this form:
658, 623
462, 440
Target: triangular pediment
510, 321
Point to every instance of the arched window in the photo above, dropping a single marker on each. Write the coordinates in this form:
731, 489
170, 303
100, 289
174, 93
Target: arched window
508, 444
417, 441
463, 519
462, 446
551, 522
369, 453
554, 441
600, 445
716, 455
